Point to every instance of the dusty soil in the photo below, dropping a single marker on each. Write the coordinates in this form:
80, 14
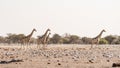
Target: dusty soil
59, 56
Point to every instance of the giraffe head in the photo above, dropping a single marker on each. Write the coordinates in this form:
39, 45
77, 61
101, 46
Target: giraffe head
48, 29
34, 30
103, 30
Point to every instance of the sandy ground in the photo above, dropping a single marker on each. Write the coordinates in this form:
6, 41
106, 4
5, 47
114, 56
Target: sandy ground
59, 56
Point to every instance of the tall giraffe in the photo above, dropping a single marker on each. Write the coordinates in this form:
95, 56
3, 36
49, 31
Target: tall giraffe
42, 39
26, 39
97, 38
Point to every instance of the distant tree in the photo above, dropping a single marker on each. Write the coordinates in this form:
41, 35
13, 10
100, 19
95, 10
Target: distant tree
33, 40
20, 36
14, 38
71, 39
86, 40
103, 41
10, 38
2, 39
65, 40
116, 40
56, 39
110, 38
74, 39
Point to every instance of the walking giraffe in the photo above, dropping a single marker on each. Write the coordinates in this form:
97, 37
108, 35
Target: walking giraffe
42, 39
97, 38
26, 39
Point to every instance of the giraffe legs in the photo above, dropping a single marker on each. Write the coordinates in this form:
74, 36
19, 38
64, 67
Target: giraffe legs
28, 46
91, 46
38, 46
44, 46
94, 46
22, 46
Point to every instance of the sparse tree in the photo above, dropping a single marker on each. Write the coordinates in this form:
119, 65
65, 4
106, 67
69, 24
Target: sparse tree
74, 39
56, 39
110, 38
14, 38
103, 41
116, 40
86, 40
2, 39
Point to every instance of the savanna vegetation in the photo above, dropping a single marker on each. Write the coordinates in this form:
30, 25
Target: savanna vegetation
65, 39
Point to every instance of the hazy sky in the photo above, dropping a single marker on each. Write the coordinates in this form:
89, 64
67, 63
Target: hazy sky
79, 17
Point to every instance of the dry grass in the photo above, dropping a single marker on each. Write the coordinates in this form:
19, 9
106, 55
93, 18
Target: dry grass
60, 56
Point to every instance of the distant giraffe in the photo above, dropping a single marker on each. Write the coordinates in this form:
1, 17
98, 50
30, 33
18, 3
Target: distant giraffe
42, 39
97, 38
26, 39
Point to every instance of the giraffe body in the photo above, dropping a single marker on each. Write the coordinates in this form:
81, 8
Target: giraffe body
25, 40
42, 39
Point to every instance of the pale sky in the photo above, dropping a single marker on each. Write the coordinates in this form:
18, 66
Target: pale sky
78, 17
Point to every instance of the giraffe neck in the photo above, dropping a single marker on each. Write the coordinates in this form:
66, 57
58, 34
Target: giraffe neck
48, 35
47, 39
45, 33
99, 36
31, 33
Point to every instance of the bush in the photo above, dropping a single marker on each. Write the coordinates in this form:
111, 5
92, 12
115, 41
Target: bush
103, 41
110, 38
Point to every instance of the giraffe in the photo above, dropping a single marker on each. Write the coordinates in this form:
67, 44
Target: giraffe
42, 39
96, 39
26, 39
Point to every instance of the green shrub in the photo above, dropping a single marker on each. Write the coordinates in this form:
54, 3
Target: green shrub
103, 41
